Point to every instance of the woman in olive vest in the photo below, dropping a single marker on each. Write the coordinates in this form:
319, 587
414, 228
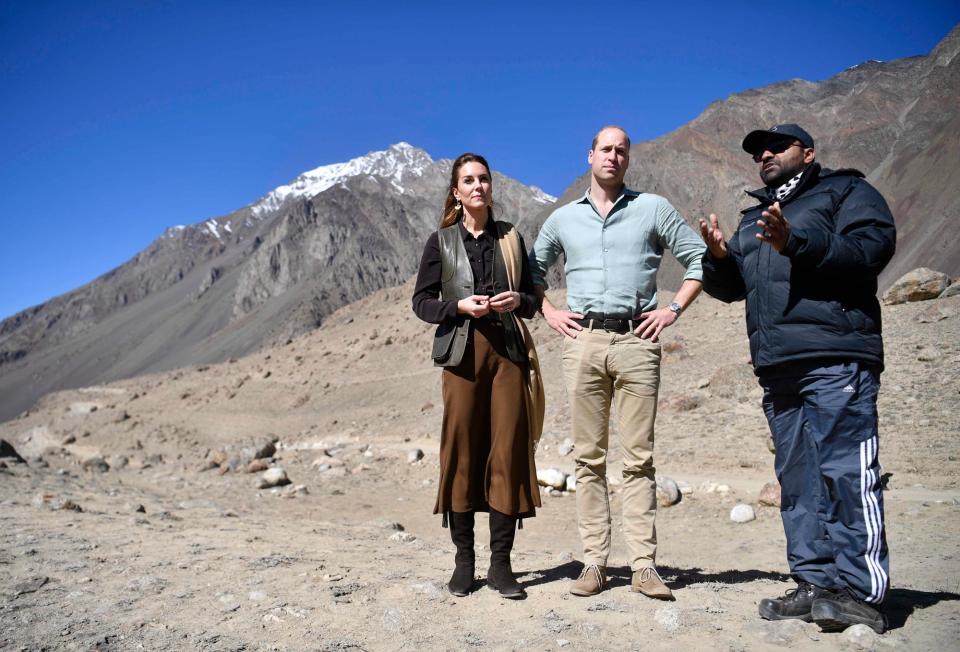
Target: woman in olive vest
486, 448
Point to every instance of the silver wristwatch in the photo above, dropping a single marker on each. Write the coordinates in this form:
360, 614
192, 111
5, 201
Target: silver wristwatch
676, 308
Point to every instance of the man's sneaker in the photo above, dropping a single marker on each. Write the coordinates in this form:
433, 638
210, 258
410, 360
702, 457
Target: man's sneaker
841, 610
647, 581
795, 603
592, 580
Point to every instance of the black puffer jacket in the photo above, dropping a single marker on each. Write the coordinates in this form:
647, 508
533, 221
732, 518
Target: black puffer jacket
817, 299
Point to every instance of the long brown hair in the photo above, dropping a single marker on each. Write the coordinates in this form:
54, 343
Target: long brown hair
452, 214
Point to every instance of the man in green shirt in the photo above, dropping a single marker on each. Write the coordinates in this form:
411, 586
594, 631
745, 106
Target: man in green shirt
613, 240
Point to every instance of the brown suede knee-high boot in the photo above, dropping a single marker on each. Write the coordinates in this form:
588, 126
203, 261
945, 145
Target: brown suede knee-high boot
461, 532
500, 577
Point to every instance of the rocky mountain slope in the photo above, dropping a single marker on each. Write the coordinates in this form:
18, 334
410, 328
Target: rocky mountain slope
231, 284
897, 122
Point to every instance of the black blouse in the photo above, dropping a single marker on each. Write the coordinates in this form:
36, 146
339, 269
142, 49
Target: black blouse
426, 296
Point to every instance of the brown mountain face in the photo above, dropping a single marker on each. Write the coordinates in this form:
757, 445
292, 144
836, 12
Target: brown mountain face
897, 122
227, 286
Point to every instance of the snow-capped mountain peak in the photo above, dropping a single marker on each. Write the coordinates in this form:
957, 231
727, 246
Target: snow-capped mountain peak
392, 163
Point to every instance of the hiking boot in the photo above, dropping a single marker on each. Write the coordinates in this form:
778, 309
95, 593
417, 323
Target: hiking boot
461, 532
592, 580
794, 604
840, 610
647, 581
503, 529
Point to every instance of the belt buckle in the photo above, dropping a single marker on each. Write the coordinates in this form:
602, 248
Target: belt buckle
611, 324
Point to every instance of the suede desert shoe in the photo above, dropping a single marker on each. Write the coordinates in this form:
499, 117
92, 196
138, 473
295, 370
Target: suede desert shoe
647, 581
592, 580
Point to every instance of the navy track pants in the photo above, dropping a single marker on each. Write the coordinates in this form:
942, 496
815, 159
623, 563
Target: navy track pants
824, 424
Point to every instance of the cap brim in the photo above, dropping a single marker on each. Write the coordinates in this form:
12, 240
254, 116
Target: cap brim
756, 139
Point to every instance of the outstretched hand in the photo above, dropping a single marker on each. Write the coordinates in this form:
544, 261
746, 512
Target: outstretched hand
774, 227
713, 237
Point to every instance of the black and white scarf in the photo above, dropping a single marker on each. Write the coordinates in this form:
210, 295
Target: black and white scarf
783, 191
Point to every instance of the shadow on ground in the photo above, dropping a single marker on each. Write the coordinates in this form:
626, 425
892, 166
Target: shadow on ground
676, 578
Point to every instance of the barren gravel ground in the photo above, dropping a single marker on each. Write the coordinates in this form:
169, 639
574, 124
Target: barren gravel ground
166, 556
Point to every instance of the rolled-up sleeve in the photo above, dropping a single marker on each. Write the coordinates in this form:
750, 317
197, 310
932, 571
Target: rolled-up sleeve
546, 250
682, 241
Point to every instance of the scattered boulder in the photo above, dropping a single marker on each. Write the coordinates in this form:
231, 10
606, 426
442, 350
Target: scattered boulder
770, 494
258, 465
668, 493
414, 455
916, 285
275, 477
554, 478
118, 461
9, 453
571, 483
403, 537
742, 513
95, 464
952, 290
566, 447
69, 439
862, 636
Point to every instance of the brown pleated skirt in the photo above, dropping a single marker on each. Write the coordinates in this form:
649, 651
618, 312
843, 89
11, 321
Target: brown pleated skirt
486, 453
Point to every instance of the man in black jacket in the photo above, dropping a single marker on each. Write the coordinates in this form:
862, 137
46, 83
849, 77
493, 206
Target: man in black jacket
806, 259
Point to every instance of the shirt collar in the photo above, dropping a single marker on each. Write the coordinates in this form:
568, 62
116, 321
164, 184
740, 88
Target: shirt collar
625, 194
489, 229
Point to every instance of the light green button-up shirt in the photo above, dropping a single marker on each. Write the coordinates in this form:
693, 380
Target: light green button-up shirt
611, 264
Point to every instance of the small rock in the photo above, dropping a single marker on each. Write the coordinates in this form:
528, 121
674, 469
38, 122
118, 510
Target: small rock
566, 447
952, 290
54, 502
275, 477
684, 487
294, 490
564, 557
69, 439
562, 642
426, 407
742, 513
386, 524
117, 462
668, 493
571, 483
862, 636
95, 464
9, 452
916, 285
722, 489
258, 465
257, 596
403, 537
703, 383
552, 478
929, 355
770, 494
414, 455
668, 618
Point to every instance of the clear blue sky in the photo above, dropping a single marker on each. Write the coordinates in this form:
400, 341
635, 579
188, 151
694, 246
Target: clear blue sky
119, 119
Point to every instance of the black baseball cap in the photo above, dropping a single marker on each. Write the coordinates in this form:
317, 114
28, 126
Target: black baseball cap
757, 139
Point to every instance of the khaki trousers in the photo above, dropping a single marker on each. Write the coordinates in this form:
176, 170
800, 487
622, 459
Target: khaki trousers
600, 368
